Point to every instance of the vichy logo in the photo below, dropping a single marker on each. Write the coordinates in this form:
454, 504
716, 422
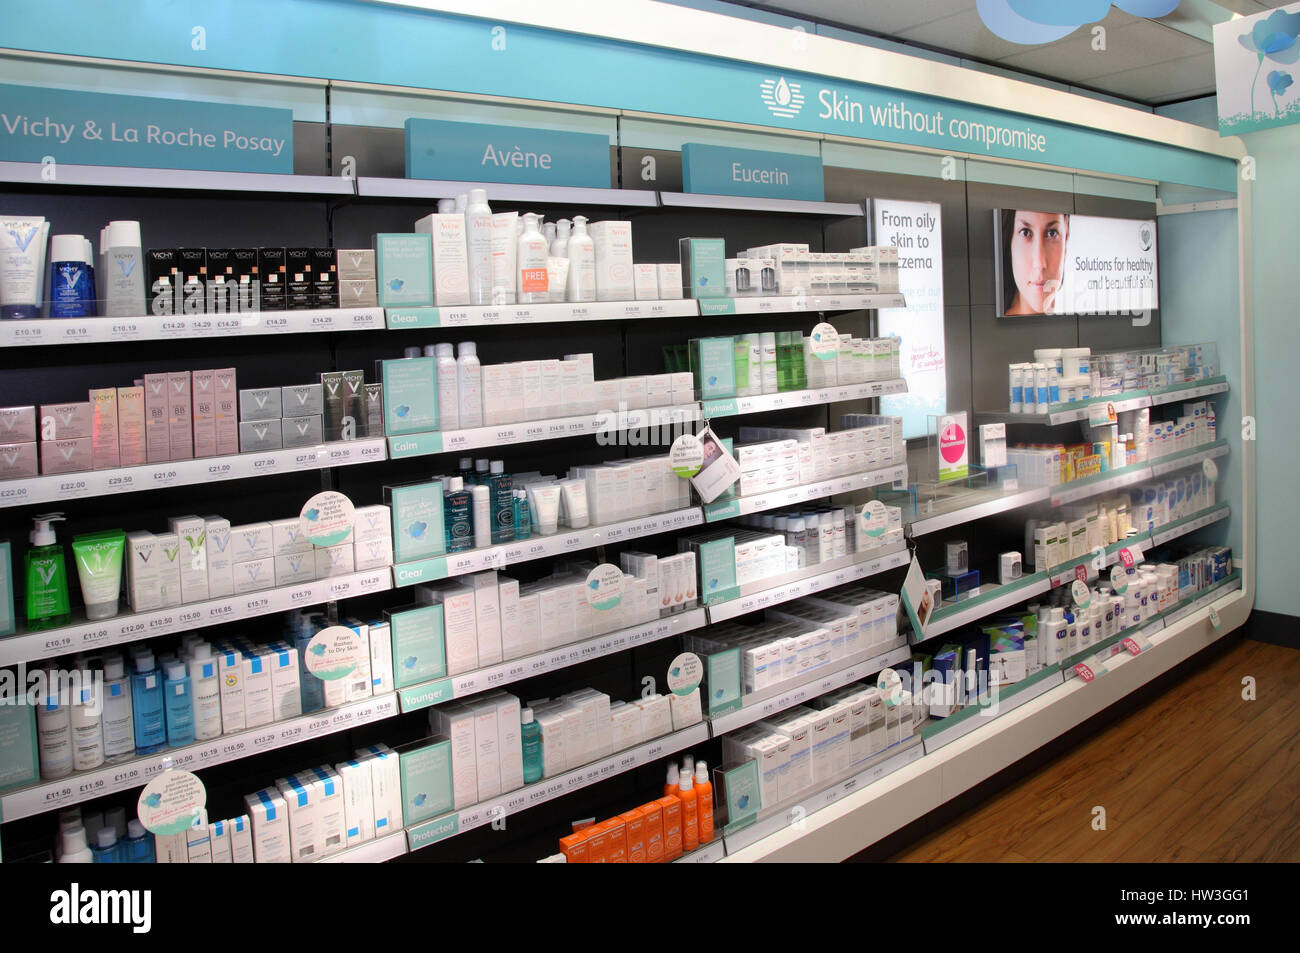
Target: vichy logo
46, 573
70, 274
357, 259
179, 385
11, 456
261, 401
68, 452
333, 387
22, 239
75, 906
302, 428
127, 264
157, 385
782, 98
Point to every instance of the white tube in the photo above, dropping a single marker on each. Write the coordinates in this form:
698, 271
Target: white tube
544, 503
503, 257
557, 272
22, 266
481, 500
573, 494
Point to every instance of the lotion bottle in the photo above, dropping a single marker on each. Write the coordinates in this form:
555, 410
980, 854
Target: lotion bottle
119, 737
560, 245
482, 502
123, 267
47, 576
530, 733
448, 387
502, 502
582, 263
147, 705
704, 801
179, 704
206, 686
86, 720
690, 811
469, 381
530, 263
456, 513
54, 730
478, 242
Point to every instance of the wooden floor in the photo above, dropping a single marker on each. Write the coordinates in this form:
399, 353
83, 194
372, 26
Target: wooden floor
1197, 774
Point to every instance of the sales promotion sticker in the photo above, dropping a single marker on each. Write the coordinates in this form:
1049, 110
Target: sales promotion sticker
334, 653
825, 342
170, 803
1119, 579
1102, 415
685, 673
605, 586
891, 686
1081, 594
872, 519
327, 518
686, 456
1210, 469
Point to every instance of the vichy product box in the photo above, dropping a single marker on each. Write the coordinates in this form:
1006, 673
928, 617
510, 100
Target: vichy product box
254, 575
161, 273
192, 276
302, 400
247, 293
180, 422
356, 264
143, 581
354, 419
325, 278
293, 569
251, 541
258, 435
358, 293
66, 421
404, 269
299, 287
272, 277
220, 566
224, 402
191, 532
169, 569
18, 460
105, 442
334, 561
333, 394
287, 537
261, 404
67, 456
17, 424
220, 285
300, 431
203, 397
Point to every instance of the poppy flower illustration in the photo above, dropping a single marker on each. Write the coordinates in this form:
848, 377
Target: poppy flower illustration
153, 800
312, 514
1030, 22
316, 649
1275, 37
410, 661
1278, 83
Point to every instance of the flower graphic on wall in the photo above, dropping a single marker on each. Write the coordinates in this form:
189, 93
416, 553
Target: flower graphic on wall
1275, 38
1278, 83
1030, 22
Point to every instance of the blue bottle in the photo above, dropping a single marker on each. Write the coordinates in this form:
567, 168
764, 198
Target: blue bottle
456, 515
105, 849
138, 847
179, 702
502, 501
72, 278
530, 733
523, 515
147, 705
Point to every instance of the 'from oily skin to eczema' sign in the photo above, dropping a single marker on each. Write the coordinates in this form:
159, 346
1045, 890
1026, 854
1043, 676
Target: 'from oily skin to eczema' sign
43, 125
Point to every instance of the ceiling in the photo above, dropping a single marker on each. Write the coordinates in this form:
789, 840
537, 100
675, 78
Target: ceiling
1148, 61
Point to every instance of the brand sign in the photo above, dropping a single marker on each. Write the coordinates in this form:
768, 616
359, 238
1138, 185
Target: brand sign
106, 129
723, 170
477, 152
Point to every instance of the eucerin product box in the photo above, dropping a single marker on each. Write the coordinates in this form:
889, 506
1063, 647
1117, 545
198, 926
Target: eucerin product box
105, 443
180, 410
614, 265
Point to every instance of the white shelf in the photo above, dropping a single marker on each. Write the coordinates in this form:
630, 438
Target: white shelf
959, 728
884, 764
53, 795
1191, 391
709, 853
371, 187
90, 636
744, 505
57, 331
747, 203
154, 476
1076, 490
1132, 400
375, 851
967, 514
563, 656
835, 572
125, 177
785, 304
538, 547
469, 316
1187, 458
759, 705
731, 406
548, 789
531, 431
1001, 597
1163, 534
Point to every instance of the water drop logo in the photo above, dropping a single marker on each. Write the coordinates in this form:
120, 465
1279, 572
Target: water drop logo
419, 799
317, 650
781, 97
403, 410
312, 514
153, 800
675, 671
396, 284
410, 661
417, 530
743, 802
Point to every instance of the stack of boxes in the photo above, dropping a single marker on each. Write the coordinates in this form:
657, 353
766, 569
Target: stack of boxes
773, 457
342, 406
785, 269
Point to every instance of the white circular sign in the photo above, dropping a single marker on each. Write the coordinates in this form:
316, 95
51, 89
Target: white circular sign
685, 673
824, 342
327, 518
1080, 593
1119, 579
334, 653
170, 802
872, 519
605, 586
686, 456
1210, 469
891, 686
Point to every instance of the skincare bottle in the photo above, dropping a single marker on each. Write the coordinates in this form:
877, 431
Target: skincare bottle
86, 722
466, 470
446, 206
478, 241
582, 263
504, 247
448, 387
123, 278
755, 344
47, 576
704, 801
826, 525
147, 705
482, 518
72, 279
482, 469
75, 850
560, 246
469, 381
523, 519
54, 729
456, 514
690, 811
462, 203
671, 784
767, 341
119, 738
502, 501
530, 733
206, 686
138, 848
179, 705
530, 263
106, 849
548, 232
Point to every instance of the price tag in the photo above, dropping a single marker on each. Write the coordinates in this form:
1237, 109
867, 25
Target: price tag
1131, 646
1210, 469
1131, 555
1084, 672
1214, 617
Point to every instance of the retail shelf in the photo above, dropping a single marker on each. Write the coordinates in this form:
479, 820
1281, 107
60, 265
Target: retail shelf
562, 656
988, 504
746, 203
1189, 391
785, 304
1100, 483
993, 599
1069, 412
709, 853
1187, 458
468, 316
86, 785
759, 705
449, 825
1088, 567
537, 547
163, 180
531, 431
375, 851
1182, 609
743, 505
58, 331
881, 765
1199, 520
826, 575
371, 187
938, 733
90, 636
154, 476
732, 406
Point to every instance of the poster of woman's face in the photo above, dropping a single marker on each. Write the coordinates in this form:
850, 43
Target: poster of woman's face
1033, 252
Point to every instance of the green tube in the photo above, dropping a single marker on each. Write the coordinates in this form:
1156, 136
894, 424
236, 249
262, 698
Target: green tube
99, 569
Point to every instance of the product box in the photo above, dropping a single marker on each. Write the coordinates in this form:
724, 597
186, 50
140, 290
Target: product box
374, 410
669, 278
18, 460
286, 685
216, 534
426, 773
254, 575
353, 423
450, 259
161, 273
703, 268
410, 395
646, 282
221, 284
204, 409
299, 286
17, 425
456, 723
269, 815
224, 394
325, 278
358, 801
460, 623
417, 520
358, 293
251, 541
300, 814
255, 672
386, 788
105, 452
19, 764
143, 571
66, 421
356, 264
180, 416
273, 294
260, 404
614, 265
293, 569
418, 647
256, 436
298, 400
404, 269
67, 456
192, 275
191, 532
334, 561
157, 429
301, 431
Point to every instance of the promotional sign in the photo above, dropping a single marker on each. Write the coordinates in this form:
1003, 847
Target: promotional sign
914, 228
1256, 64
954, 447
170, 802
37, 125
478, 152
916, 600
725, 170
742, 794
334, 652
824, 342
605, 587
327, 518
1058, 263
685, 673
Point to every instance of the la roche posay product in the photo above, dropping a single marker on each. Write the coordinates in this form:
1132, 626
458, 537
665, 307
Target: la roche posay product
614, 265
450, 264
22, 266
404, 269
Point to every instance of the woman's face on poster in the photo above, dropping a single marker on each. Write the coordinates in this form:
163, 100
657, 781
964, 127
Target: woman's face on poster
1038, 259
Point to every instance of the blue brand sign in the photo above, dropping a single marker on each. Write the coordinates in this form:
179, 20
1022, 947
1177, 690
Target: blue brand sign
477, 152
722, 170
104, 129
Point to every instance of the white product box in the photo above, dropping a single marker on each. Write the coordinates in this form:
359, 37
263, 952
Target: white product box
254, 575
251, 541
645, 279
633, 392
625, 726
301, 813
220, 842
287, 537
456, 722
259, 704
269, 817
530, 622
230, 670
487, 617
372, 522
241, 839
334, 561
386, 788
683, 387
686, 709
509, 740
508, 603
143, 583
554, 758
656, 715
381, 657
614, 264
294, 569
460, 631
487, 752
169, 569
286, 686
533, 398
670, 281
371, 554
552, 389
450, 258
358, 801
331, 822
221, 580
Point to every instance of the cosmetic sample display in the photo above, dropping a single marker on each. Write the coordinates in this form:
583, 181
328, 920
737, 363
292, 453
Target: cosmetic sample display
1066, 375
785, 269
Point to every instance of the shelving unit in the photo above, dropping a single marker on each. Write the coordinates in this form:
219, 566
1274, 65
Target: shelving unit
758, 403
66, 175
429, 190
376, 851
744, 505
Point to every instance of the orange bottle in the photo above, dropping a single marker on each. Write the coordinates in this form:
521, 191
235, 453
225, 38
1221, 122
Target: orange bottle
670, 786
704, 802
690, 812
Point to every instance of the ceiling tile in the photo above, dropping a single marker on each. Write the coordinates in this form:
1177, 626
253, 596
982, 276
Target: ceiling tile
887, 18
1130, 47
1162, 82
964, 32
